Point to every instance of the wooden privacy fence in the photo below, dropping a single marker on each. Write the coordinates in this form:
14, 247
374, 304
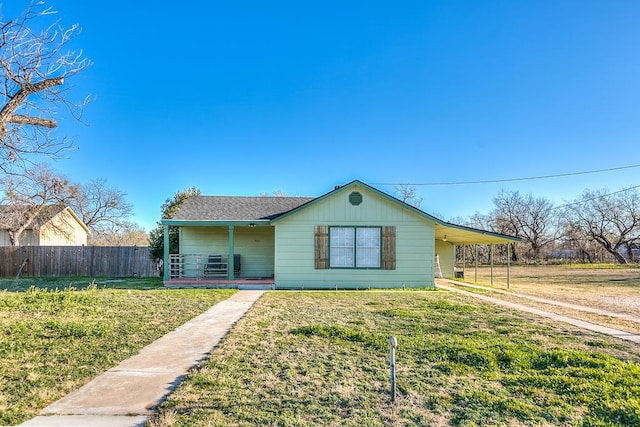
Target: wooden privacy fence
91, 261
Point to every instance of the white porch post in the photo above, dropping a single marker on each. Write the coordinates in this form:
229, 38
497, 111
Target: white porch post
231, 260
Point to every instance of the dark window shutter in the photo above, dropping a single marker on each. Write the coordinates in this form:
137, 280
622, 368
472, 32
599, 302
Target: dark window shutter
389, 247
322, 247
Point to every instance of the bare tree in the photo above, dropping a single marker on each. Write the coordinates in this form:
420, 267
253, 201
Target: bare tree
99, 206
479, 221
34, 65
124, 234
27, 196
527, 217
408, 194
574, 237
610, 219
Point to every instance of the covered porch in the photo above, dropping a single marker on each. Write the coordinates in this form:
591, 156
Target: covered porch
220, 254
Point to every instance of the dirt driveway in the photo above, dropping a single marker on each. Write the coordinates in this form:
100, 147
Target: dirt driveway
604, 296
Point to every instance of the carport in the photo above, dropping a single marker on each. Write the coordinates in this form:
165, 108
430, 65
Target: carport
459, 235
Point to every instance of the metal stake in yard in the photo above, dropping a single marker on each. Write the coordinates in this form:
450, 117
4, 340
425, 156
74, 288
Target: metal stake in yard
392, 362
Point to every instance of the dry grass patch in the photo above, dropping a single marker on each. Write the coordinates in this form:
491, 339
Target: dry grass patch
607, 287
612, 288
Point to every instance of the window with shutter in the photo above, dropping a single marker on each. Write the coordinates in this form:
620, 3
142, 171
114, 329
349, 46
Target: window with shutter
355, 247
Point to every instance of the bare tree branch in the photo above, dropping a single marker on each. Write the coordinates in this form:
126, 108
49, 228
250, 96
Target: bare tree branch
527, 217
611, 220
34, 67
35, 121
125, 234
408, 194
98, 205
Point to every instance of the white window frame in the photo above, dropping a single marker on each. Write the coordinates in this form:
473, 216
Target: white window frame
355, 247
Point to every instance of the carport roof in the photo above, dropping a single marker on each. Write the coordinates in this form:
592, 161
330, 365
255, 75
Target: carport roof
461, 235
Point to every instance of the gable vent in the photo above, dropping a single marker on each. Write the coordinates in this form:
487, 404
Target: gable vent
355, 198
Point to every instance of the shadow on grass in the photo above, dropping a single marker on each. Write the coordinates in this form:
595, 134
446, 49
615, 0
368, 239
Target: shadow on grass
53, 283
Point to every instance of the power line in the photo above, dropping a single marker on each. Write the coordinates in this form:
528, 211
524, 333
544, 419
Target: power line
493, 181
579, 202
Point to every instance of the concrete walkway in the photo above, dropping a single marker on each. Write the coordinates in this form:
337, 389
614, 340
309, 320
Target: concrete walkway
441, 284
126, 395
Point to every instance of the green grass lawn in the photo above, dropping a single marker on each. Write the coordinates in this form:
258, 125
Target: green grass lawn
54, 338
321, 358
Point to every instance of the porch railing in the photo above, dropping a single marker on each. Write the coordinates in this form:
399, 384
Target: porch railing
201, 266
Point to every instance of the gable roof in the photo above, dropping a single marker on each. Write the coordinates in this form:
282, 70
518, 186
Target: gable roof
350, 185
231, 208
445, 231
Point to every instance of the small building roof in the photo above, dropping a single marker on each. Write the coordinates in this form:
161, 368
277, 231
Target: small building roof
237, 208
12, 216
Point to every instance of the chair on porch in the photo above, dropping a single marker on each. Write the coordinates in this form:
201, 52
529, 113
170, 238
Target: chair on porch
217, 265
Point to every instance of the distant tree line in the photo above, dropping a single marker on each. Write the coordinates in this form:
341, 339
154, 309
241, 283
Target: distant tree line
598, 226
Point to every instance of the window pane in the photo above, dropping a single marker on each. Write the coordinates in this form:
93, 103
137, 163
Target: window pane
342, 257
341, 246
368, 248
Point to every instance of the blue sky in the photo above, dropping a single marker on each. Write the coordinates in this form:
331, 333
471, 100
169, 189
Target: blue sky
245, 97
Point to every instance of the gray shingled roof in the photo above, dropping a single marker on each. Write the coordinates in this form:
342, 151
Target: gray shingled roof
234, 208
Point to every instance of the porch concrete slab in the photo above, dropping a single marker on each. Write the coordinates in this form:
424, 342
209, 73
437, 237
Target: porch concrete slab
137, 385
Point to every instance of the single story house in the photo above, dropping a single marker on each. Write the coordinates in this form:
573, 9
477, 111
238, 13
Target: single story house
54, 225
355, 236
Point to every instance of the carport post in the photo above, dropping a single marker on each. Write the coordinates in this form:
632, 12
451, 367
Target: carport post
464, 259
491, 256
508, 264
476, 278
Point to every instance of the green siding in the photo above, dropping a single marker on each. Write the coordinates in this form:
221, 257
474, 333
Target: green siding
254, 244
294, 242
